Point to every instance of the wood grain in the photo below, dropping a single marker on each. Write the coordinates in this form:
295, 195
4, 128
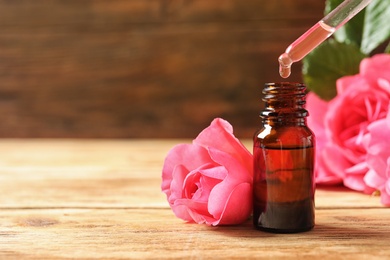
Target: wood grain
100, 199
106, 174
135, 68
156, 233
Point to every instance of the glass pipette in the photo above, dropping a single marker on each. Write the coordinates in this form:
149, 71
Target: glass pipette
319, 33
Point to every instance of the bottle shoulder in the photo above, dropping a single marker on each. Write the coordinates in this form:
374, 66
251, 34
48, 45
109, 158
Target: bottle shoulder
286, 136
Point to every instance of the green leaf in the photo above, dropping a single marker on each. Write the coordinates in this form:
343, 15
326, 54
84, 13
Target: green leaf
376, 25
327, 63
350, 32
387, 49
360, 37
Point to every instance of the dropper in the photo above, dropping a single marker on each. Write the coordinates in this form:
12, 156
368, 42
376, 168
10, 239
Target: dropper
319, 33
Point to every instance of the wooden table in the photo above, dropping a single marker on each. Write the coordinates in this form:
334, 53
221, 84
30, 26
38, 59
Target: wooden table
102, 199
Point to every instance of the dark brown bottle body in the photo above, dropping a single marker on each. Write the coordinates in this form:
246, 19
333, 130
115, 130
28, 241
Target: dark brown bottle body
283, 151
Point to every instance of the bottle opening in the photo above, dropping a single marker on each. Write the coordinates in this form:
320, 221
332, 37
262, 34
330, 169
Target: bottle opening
284, 100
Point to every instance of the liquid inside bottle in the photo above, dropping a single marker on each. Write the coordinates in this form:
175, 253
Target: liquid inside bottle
284, 192
283, 151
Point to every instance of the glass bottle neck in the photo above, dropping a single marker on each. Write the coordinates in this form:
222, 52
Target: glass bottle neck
284, 104
284, 121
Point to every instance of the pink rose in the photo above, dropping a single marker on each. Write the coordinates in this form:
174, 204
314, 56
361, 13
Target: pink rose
378, 158
361, 99
210, 180
318, 109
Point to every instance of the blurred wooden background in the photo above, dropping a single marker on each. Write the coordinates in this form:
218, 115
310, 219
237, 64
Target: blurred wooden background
141, 68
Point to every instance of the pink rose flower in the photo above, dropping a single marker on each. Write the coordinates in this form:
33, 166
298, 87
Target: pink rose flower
316, 121
378, 158
361, 99
210, 180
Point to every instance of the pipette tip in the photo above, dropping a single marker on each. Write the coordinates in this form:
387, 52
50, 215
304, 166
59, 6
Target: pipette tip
284, 72
285, 65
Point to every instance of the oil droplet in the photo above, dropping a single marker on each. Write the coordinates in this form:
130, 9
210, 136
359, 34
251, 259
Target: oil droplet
285, 65
284, 72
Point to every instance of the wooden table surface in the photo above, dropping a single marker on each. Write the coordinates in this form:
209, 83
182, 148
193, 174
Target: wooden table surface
79, 198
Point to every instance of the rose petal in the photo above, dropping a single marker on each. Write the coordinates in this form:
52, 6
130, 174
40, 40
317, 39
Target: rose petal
234, 168
237, 209
386, 189
359, 168
374, 180
192, 211
384, 84
378, 151
355, 182
376, 158
317, 109
324, 176
176, 188
335, 162
347, 82
376, 65
219, 135
181, 210
192, 156
216, 172
385, 199
237, 174
201, 218
379, 130
385, 192
204, 183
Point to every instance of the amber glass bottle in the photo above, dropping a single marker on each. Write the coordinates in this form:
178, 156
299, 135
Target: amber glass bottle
283, 152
